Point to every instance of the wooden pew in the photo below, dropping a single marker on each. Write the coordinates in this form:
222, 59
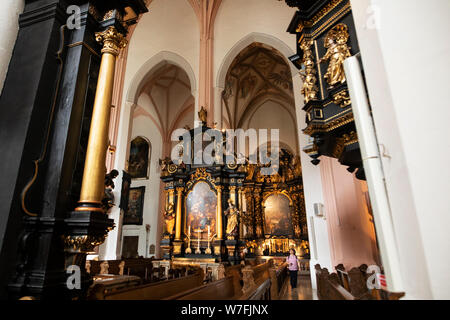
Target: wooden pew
153, 291
278, 276
218, 290
140, 267
240, 283
351, 285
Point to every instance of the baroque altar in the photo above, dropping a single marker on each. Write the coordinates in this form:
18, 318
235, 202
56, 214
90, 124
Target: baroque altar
227, 210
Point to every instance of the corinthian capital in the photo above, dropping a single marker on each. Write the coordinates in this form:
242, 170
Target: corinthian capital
112, 40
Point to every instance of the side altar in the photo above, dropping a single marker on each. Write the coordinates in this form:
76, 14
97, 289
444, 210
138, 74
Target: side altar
221, 210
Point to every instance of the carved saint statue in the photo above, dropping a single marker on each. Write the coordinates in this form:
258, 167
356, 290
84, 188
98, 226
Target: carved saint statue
203, 115
310, 88
232, 214
169, 218
338, 51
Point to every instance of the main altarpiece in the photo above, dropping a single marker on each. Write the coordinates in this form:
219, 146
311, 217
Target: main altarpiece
225, 211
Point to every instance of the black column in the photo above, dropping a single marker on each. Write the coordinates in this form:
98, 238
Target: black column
45, 114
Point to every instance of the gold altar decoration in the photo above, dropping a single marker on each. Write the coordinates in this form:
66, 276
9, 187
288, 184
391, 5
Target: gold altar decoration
219, 213
310, 88
92, 188
203, 115
338, 51
342, 99
232, 214
169, 219
180, 191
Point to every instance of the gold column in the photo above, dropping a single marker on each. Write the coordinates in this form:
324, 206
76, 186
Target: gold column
219, 213
233, 195
241, 212
171, 196
178, 218
93, 184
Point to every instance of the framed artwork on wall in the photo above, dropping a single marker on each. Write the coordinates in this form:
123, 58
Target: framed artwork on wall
130, 247
138, 161
134, 213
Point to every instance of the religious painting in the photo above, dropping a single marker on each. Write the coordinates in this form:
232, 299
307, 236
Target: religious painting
139, 158
201, 204
277, 213
130, 247
134, 213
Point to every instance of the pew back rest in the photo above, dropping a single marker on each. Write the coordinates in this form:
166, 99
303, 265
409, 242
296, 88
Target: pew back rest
236, 273
156, 291
218, 290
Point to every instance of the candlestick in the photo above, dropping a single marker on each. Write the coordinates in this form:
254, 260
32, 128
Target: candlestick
208, 250
198, 251
188, 249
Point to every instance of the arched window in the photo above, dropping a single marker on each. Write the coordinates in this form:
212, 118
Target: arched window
138, 161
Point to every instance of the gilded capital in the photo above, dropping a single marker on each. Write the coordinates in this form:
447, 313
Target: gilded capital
112, 40
180, 190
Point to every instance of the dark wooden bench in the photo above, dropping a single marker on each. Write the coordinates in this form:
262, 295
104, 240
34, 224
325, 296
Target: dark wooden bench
152, 291
240, 283
351, 285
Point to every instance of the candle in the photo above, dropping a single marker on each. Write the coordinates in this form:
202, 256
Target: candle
189, 231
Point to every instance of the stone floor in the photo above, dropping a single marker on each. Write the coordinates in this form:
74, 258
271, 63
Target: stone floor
303, 291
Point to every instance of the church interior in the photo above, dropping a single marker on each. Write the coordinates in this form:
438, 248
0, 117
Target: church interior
192, 149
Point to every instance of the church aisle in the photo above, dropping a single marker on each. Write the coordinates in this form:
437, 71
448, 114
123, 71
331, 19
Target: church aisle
303, 291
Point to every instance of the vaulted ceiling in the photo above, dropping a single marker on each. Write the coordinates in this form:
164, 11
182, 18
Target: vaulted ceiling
258, 73
167, 99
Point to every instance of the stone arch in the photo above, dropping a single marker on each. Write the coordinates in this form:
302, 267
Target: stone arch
263, 38
146, 71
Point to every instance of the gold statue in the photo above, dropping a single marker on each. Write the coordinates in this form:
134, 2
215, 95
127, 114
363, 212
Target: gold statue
169, 218
297, 164
203, 115
232, 214
310, 88
338, 51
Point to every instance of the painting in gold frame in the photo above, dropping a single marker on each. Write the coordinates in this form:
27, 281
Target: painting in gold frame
277, 215
201, 204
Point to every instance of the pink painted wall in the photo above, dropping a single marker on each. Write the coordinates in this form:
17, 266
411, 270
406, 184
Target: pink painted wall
350, 226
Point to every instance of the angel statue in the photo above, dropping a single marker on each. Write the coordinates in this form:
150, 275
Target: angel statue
232, 214
338, 51
203, 115
169, 218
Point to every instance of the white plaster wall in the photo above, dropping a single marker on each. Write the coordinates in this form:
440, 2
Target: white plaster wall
347, 217
271, 116
144, 127
406, 62
312, 186
9, 26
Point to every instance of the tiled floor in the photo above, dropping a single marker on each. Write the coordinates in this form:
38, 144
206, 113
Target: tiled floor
303, 291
